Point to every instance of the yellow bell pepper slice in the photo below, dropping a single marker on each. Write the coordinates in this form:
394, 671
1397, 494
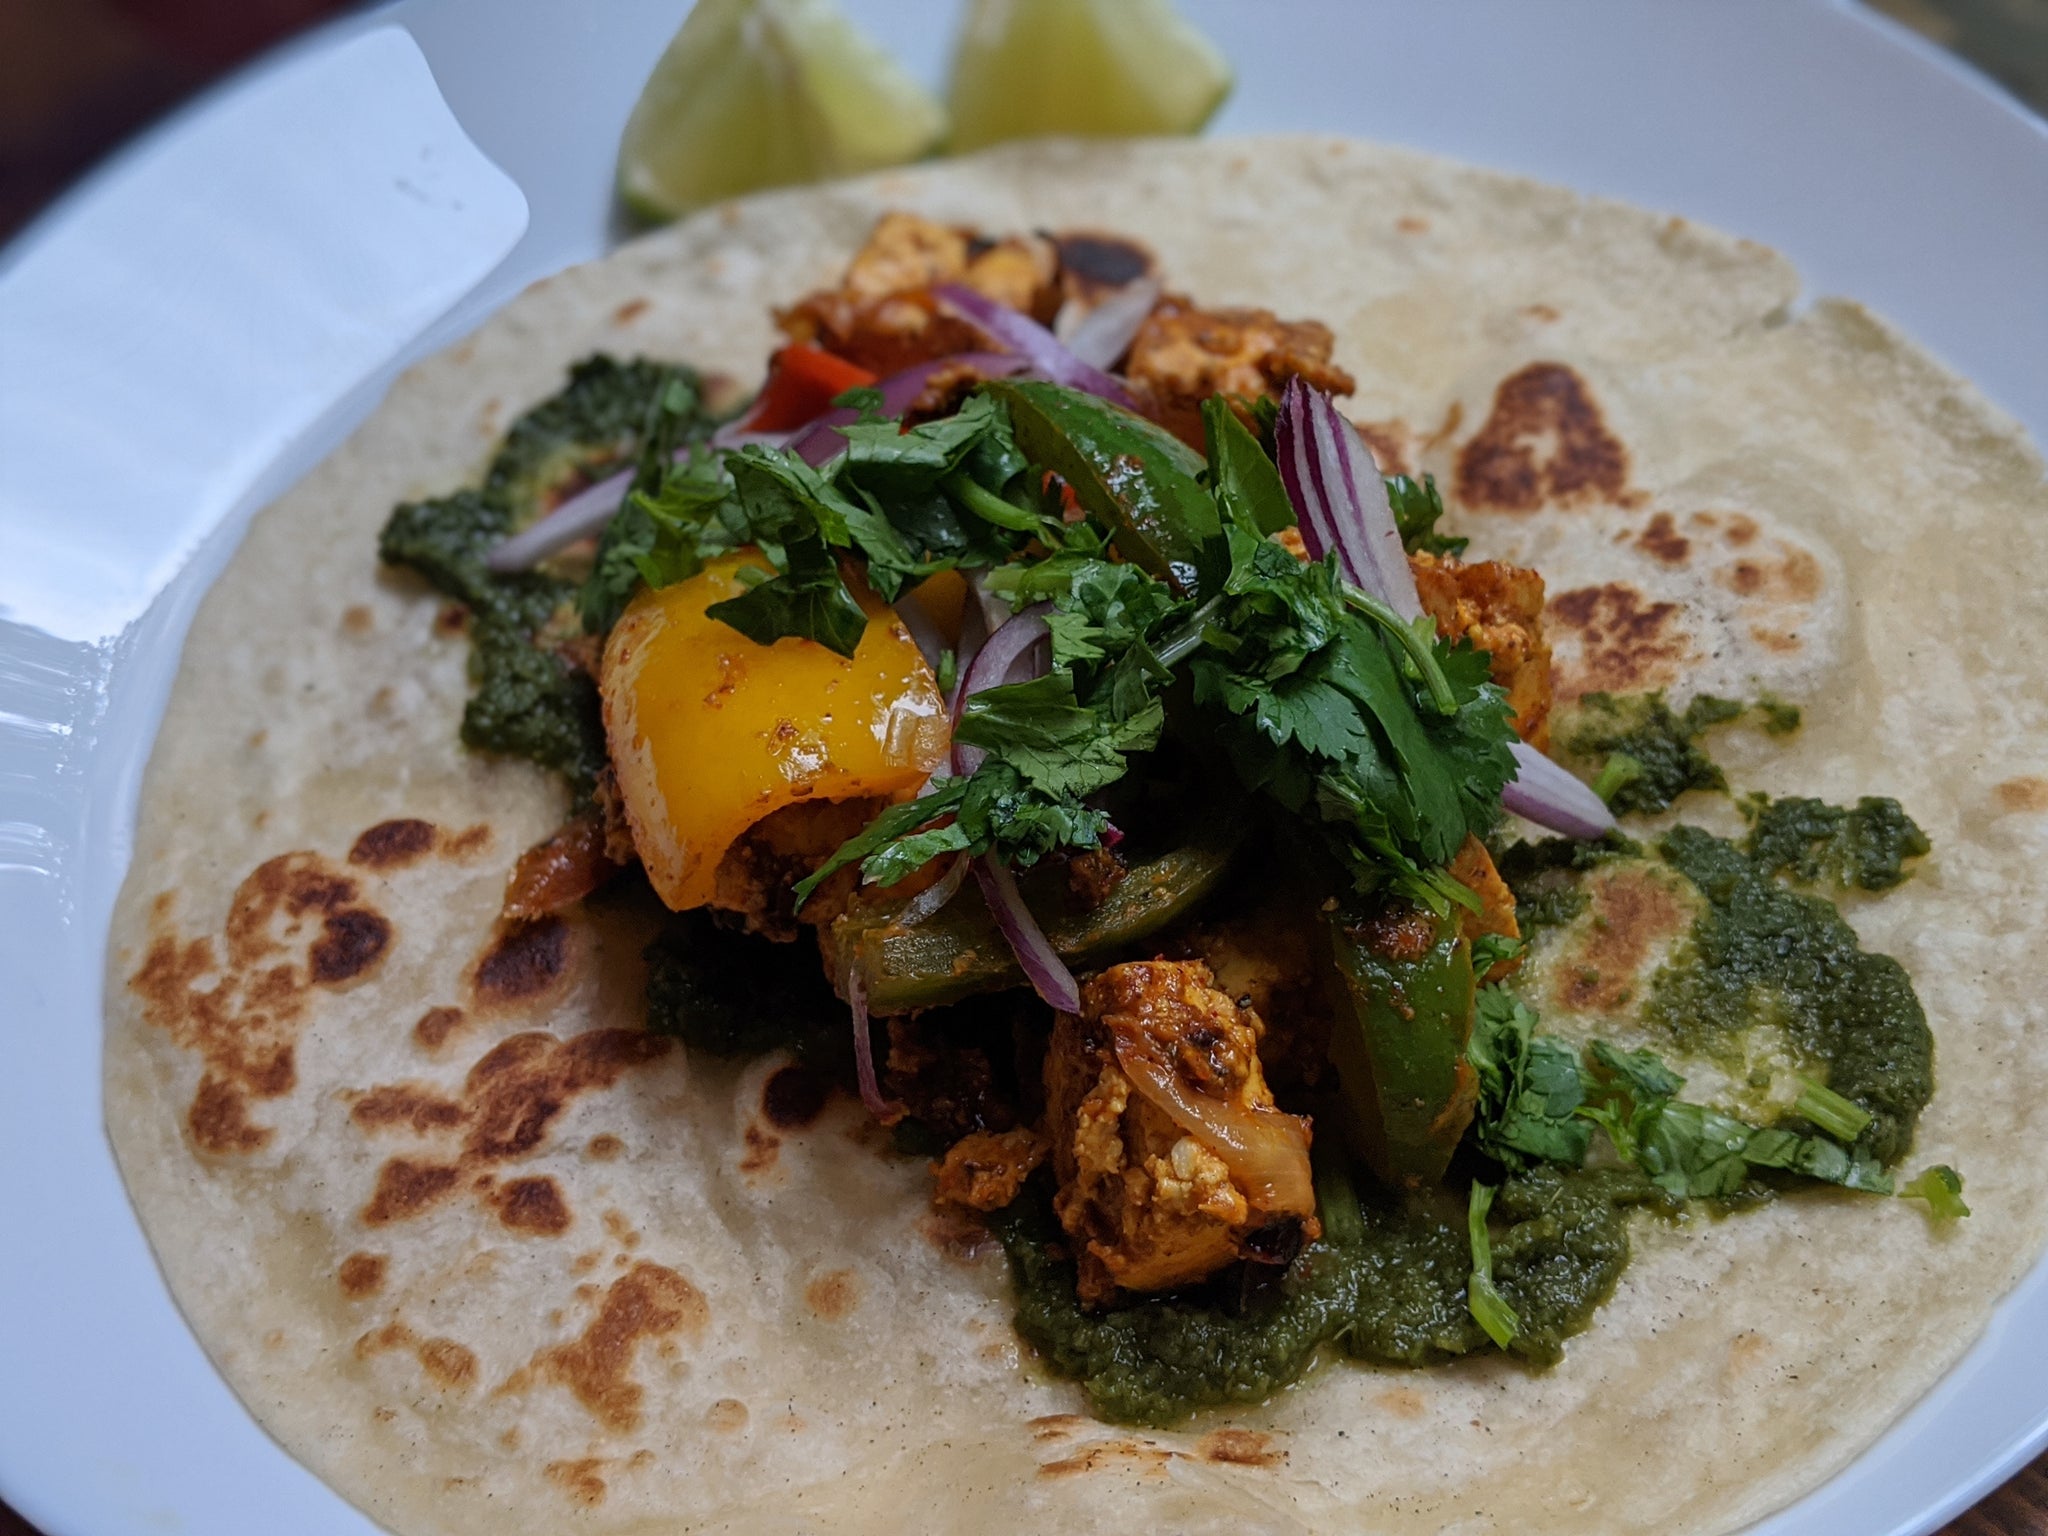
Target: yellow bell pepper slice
710, 732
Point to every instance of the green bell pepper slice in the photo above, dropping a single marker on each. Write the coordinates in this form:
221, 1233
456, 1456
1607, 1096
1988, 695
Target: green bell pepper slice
1135, 476
1404, 999
958, 951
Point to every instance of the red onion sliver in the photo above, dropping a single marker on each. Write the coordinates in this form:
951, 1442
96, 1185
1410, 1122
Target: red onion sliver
864, 1051
1105, 333
1040, 349
928, 902
1046, 971
1340, 497
1548, 795
579, 517
997, 662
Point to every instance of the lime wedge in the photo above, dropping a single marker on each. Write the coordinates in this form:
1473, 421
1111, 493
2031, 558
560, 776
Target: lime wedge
764, 93
1094, 67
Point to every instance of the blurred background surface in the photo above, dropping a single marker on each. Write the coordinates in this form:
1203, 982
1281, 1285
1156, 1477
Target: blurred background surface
78, 78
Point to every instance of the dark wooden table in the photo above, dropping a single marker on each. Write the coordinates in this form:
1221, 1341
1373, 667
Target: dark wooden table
78, 76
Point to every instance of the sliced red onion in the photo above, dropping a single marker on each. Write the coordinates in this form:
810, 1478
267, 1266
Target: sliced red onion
1038, 347
1012, 654
1548, 795
1046, 971
974, 632
928, 902
864, 1051
998, 661
1340, 497
581, 516
1105, 333
735, 434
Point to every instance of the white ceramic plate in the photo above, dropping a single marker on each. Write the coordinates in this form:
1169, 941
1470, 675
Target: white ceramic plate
197, 325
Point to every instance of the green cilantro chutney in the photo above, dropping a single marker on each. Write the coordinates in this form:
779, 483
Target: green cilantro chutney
1386, 1284
1760, 954
526, 701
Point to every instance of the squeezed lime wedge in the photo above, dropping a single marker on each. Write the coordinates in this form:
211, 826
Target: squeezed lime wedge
766, 93
1100, 68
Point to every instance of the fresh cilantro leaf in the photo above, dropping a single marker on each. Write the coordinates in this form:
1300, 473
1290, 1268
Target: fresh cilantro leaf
1417, 505
1530, 1088
943, 798
809, 601
1059, 747
885, 458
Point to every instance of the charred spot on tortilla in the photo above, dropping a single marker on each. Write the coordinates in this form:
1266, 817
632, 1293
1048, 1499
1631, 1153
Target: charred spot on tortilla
621, 1230
407, 1188
450, 1365
399, 1105
629, 311
393, 844
763, 1147
2028, 792
1661, 540
534, 1206
242, 1017
794, 1096
518, 1088
525, 962
437, 1025
648, 1303
362, 1274
604, 1148
1241, 1448
581, 1479
357, 619
1544, 444
1392, 445
1636, 909
219, 1119
1614, 639
728, 1416
1793, 578
351, 943
1111, 1455
833, 1294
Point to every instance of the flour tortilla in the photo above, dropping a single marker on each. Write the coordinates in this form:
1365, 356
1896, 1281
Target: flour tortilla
561, 1285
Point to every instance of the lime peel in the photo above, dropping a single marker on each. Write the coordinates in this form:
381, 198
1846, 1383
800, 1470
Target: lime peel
764, 93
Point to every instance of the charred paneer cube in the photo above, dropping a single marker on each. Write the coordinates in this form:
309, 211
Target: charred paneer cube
1499, 608
883, 316
1171, 1157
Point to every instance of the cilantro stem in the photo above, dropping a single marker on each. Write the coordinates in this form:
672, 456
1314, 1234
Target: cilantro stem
1618, 770
1827, 1109
1489, 1308
987, 505
1189, 640
1419, 650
